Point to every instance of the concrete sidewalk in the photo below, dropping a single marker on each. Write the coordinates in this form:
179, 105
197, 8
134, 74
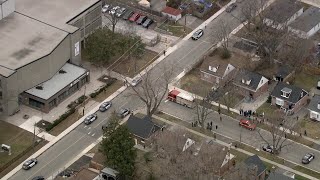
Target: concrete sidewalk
238, 149
29, 125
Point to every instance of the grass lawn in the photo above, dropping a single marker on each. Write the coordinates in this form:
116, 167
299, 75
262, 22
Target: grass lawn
131, 67
312, 128
110, 90
305, 80
232, 98
267, 109
307, 171
175, 28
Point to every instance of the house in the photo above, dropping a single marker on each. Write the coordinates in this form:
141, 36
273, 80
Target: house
97, 161
142, 128
289, 98
256, 163
277, 176
172, 13
314, 108
250, 84
216, 72
282, 12
307, 24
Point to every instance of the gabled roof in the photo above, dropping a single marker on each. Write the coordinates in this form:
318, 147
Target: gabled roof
283, 71
256, 161
313, 106
278, 176
172, 11
308, 20
221, 67
142, 128
249, 76
282, 10
295, 95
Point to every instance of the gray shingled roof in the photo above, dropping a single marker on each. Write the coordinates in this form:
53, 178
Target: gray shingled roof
248, 75
308, 20
295, 95
142, 127
256, 161
281, 10
277, 176
313, 106
222, 67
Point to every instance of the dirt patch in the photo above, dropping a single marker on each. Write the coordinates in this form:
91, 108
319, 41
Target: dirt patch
110, 90
131, 67
65, 124
175, 28
312, 128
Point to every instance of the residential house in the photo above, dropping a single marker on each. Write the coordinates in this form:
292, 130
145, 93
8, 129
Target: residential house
142, 128
172, 13
289, 98
108, 173
314, 108
254, 162
250, 84
217, 72
307, 24
278, 176
282, 12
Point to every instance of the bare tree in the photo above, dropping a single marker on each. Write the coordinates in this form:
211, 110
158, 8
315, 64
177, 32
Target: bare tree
229, 99
279, 127
223, 33
175, 162
113, 19
203, 108
153, 88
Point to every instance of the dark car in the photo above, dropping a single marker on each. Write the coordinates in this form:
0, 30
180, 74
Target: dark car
90, 119
134, 17
196, 35
247, 124
123, 112
231, 7
105, 106
147, 23
307, 158
141, 20
120, 12
267, 148
38, 178
29, 164
127, 14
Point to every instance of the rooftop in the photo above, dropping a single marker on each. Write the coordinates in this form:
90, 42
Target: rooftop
249, 79
220, 67
256, 161
56, 13
309, 19
282, 10
142, 127
23, 40
313, 106
58, 81
294, 96
172, 11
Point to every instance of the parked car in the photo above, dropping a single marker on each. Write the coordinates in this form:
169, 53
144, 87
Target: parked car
106, 8
29, 163
120, 12
247, 124
127, 14
38, 178
113, 10
135, 81
147, 23
90, 119
105, 106
308, 158
196, 35
134, 17
231, 7
267, 148
123, 112
141, 20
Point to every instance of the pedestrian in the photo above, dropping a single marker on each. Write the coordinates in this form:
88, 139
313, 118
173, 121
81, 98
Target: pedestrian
205, 25
216, 126
211, 123
164, 52
285, 136
220, 118
214, 136
297, 118
192, 125
235, 146
305, 132
144, 146
83, 111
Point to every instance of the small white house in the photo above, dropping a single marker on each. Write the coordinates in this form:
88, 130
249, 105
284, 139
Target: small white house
314, 108
172, 13
307, 24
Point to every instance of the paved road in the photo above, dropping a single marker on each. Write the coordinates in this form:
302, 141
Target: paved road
229, 127
64, 151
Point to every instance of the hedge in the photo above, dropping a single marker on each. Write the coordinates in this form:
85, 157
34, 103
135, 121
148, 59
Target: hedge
94, 94
61, 118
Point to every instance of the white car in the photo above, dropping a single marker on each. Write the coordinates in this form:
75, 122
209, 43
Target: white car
113, 10
196, 35
106, 8
29, 164
135, 81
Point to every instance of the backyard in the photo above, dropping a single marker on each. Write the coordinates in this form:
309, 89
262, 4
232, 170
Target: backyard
306, 80
267, 109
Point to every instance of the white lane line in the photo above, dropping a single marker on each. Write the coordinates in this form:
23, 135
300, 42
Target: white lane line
89, 133
93, 134
85, 127
166, 100
89, 128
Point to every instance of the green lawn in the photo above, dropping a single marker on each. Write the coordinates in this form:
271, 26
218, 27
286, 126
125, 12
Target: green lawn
175, 28
305, 80
312, 128
307, 171
267, 108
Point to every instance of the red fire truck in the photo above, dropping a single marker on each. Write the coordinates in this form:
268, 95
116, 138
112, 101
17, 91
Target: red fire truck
181, 98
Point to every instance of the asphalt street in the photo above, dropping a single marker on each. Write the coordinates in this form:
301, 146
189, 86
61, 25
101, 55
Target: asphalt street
229, 127
65, 150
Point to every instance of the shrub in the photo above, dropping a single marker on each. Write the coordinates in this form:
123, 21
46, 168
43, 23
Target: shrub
72, 105
61, 118
269, 99
81, 99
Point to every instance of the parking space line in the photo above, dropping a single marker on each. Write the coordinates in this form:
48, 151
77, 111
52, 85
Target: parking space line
89, 132
93, 134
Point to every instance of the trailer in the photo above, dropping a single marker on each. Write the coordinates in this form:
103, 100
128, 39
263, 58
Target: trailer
181, 98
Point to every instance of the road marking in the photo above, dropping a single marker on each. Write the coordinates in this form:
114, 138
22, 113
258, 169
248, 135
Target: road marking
85, 127
166, 100
89, 128
93, 134
89, 133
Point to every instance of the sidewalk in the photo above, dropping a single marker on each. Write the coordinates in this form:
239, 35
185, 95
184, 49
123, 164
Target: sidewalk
238, 149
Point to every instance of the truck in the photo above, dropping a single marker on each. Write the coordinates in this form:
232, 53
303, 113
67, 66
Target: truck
181, 98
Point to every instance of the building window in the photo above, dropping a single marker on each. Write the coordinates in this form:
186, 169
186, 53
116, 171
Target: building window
36, 103
52, 103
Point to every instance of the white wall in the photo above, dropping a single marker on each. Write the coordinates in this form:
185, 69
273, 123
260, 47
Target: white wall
314, 115
7, 8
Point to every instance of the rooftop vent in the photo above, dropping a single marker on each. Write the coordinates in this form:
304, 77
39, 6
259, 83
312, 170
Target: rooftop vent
39, 87
61, 71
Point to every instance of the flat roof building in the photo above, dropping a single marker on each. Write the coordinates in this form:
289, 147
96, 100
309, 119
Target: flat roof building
38, 39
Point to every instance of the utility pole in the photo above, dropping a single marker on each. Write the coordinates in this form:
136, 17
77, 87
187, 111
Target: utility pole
84, 95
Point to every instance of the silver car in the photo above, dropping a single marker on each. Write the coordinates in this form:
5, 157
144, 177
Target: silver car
90, 119
29, 164
105, 106
136, 81
196, 35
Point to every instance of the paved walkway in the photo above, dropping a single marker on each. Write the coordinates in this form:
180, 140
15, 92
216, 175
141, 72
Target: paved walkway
238, 149
312, 2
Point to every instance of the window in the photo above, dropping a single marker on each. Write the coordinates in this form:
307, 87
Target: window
279, 102
36, 103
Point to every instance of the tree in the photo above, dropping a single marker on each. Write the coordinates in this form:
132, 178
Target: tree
229, 98
203, 109
223, 34
113, 19
118, 147
153, 88
277, 122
